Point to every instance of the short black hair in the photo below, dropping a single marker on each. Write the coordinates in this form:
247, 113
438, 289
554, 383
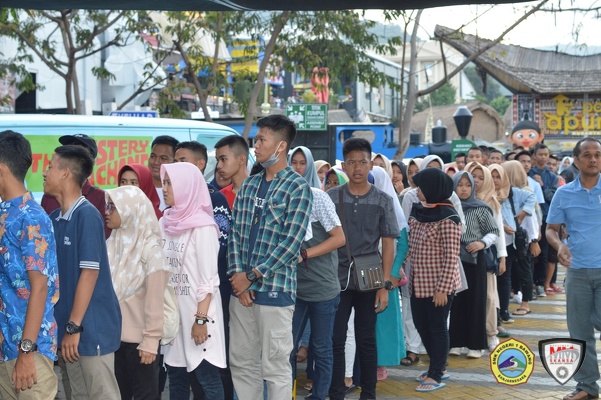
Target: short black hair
15, 152
496, 151
539, 146
197, 148
165, 139
485, 150
474, 148
236, 143
555, 157
577, 150
459, 155
522, 153
281, 125
507, 155
78, 159
352, 144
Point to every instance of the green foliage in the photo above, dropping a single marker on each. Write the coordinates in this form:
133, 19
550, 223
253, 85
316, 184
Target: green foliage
309, 97
500, 104
493, 88
445, 95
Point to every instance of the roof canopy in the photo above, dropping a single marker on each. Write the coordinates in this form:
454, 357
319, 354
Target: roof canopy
229, 5
523, 70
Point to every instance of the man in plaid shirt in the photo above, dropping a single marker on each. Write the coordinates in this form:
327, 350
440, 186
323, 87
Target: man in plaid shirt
270, 218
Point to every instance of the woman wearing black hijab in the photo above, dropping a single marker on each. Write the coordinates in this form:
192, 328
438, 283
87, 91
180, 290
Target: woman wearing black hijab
434, 242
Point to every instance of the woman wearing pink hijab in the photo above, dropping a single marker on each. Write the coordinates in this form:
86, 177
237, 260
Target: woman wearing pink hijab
190, 240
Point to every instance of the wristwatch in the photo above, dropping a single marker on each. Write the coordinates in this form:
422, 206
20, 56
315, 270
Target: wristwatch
72, 328
534, 241
201, 321
27, 346
388, 286
252, 276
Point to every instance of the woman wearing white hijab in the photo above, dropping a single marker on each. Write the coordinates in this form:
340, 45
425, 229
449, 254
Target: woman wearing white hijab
565, 163
140, 275
390, 342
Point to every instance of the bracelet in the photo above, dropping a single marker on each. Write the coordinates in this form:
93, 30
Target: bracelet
201, 314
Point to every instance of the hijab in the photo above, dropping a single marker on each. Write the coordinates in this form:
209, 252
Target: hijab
516, 174
382, 181
320, 163
437, 187
193, 207
428, 159
342, 178
134, 249
146, 184
561, 167
503, 192
387, 166
487, 193
403, 168
310, 174
472, 202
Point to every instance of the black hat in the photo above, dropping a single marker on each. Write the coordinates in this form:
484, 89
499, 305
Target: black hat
526, 125
82, 140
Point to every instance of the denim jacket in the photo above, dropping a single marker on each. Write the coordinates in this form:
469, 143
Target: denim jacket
523, 200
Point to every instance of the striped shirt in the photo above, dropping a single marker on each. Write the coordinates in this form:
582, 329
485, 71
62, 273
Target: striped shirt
479, 224
434, 251
282, 227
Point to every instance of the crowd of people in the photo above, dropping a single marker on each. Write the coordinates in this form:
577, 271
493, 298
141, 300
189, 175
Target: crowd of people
223, 286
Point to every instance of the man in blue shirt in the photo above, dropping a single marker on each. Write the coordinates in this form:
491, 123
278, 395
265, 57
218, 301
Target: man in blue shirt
28, 281
578, 206
88, 313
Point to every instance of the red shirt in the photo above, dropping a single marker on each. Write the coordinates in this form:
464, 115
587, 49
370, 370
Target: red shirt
93, 194
229, 194
434, 251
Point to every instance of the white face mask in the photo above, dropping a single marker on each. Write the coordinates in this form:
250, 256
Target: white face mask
272, 158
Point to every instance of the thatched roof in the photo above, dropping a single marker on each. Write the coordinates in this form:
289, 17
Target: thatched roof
486, 123
524, 70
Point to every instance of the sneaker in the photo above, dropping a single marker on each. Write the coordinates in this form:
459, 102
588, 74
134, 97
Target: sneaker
455, 351
506, 318
493, 342
474, 353
517, 298
540, 291
502, 332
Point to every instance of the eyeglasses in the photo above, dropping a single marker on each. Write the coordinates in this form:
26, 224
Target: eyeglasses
110, 207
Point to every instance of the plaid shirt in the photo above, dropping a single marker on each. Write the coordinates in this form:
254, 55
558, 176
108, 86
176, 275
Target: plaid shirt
434, 251
281, 231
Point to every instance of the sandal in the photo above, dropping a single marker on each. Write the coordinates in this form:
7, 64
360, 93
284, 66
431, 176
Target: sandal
409, 360
521, 312
550, 291
556, 288
382, 373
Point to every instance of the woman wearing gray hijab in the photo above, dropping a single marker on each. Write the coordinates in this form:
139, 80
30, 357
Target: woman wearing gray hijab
301, 159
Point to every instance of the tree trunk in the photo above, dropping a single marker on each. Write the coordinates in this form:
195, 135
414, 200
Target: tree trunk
69, 91
79, 108
269, 48
407, 113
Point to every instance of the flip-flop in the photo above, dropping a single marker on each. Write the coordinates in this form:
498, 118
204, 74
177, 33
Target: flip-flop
550, 291
423, 377
431, 385
517, 312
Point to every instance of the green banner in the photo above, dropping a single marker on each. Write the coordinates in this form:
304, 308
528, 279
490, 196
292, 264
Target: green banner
308, 117
460, 146
113, 153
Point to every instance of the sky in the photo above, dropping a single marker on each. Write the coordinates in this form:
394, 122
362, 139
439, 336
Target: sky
542, 29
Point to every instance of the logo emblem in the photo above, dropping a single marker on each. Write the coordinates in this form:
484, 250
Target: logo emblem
562, 358
512, 362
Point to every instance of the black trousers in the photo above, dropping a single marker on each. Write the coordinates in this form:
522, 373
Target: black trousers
365, 338
136, 381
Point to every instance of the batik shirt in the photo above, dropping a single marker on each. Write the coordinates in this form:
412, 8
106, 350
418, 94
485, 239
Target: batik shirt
26, 244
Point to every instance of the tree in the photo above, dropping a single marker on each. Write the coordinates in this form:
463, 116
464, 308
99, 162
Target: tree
61, 39
413, 93
445, 95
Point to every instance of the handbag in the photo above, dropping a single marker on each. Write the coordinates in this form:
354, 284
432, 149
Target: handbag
520, 240
490, 259
170, 316
366, 269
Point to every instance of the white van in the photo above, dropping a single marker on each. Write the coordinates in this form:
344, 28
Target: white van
120, 140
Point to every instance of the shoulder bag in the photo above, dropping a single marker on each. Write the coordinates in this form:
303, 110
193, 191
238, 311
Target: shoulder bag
366, 269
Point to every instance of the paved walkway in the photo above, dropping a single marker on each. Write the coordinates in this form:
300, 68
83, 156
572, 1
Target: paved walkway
473, 379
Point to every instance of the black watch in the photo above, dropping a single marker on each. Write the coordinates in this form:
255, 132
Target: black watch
388, 286
534, 241
201, 321
252, 276
72, 328
27, 346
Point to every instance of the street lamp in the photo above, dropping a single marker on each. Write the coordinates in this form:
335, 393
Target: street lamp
463, 119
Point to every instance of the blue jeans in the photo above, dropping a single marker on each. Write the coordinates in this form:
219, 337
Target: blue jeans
321, 315
207, 375
583, 293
